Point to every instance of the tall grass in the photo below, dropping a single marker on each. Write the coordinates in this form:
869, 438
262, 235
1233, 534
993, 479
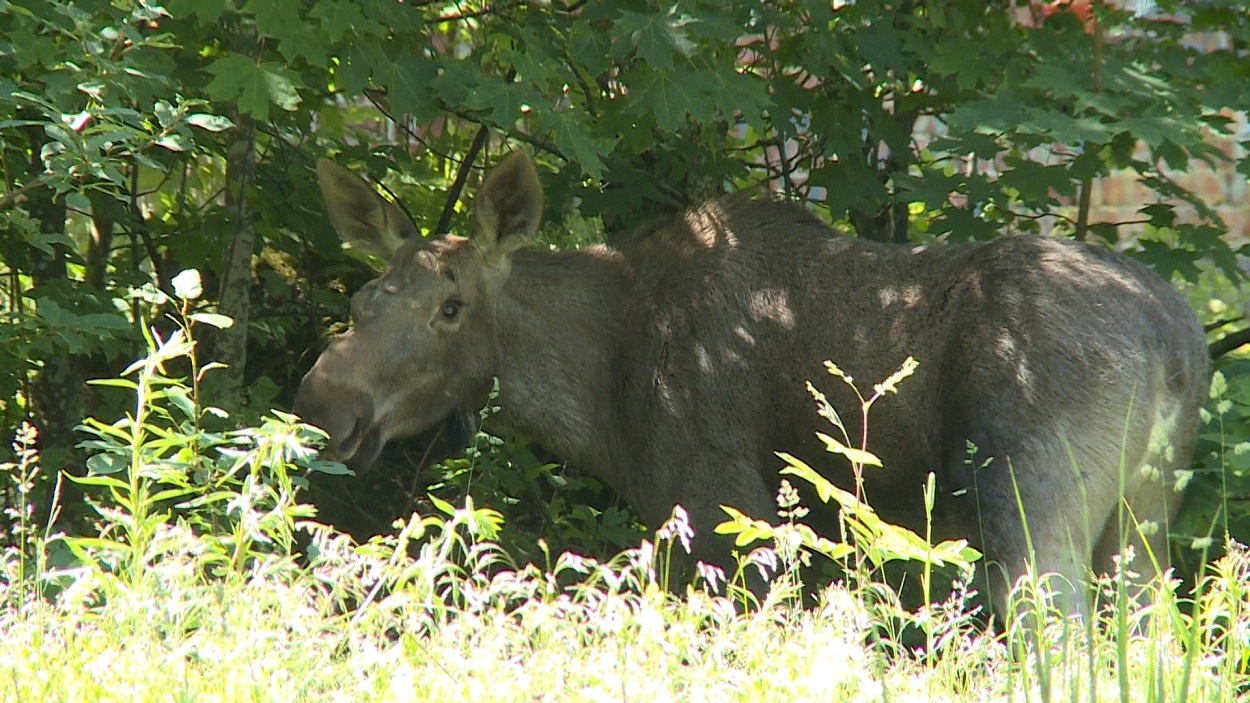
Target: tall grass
193, 590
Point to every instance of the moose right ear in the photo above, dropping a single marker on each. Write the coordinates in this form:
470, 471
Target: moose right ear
362, 217
509, 206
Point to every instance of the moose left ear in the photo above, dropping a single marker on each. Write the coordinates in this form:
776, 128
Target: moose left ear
363, 218
509, 206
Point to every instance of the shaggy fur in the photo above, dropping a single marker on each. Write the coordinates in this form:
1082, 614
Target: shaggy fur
674, 368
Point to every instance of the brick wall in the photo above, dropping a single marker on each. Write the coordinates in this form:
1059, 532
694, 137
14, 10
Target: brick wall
1119, 198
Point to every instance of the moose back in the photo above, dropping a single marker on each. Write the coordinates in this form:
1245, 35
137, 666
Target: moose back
675, 367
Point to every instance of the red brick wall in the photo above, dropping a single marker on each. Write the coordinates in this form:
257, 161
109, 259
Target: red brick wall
1120, 197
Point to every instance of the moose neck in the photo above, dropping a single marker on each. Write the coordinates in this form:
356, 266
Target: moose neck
558, 327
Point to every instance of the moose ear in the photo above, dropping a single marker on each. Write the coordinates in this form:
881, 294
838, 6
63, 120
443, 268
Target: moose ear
509, 205
362, 217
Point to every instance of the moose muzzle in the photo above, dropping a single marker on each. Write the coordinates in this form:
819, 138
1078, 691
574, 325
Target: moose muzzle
344, 412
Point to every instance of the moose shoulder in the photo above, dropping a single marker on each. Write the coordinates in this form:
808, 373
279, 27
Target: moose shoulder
674, 368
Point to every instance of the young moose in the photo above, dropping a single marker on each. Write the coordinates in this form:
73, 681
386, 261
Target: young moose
674, 368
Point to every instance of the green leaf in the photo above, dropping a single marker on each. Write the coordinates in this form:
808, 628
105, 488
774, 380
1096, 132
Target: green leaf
100, 323
1167, 261
187, 284
333, 468
849, 185
588, 48
338, 17
174, 142
355, 65
181, 399
170, 494
1059, 81
825, 490
81, 545
743, 93
856, 456
748, 530
407, 78
114, 382
206, 11
250, 85
305, 44
823, 545
212, 123
569, 132
654, 37
221, 322
205, 499
78, 201
275, 19
50, 311
666, 96
106, 464
503, 102
296, 38
441, 505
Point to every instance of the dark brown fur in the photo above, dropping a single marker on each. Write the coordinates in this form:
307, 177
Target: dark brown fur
675, 368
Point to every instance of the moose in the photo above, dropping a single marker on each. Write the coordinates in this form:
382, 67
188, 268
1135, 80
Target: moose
675, 367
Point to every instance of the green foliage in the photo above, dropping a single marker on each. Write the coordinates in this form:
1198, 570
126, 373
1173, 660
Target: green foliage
1219, 485
164, 462
541, 497
868, 542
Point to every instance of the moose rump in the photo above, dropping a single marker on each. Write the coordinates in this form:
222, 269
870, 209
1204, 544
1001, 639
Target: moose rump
675, 367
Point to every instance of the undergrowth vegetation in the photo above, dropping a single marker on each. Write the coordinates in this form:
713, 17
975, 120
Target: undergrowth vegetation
210, 580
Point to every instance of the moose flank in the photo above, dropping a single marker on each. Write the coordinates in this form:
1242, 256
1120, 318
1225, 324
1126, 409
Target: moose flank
675, 367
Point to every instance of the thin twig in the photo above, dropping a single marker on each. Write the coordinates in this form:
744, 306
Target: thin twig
540, 144
138, 226
1229, 343
462, 177
1087, 183
461, 15
13, 197
421, 466
1223, 322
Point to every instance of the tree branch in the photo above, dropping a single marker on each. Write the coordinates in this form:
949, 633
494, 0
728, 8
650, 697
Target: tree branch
139, 226
12, 198
462, 177
379, 100
1229, 343
461, 15
1087, 183
540, 144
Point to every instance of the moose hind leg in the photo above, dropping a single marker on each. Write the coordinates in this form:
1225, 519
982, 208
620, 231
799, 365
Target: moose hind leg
1150, 504
1040, 515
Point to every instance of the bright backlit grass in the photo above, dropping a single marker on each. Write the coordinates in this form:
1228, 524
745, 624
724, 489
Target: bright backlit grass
371, 623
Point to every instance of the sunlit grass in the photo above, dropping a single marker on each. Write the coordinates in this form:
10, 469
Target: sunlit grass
370, 622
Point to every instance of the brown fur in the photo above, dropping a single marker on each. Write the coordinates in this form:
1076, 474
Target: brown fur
675, 368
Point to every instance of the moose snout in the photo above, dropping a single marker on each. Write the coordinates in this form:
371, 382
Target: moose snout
345, 413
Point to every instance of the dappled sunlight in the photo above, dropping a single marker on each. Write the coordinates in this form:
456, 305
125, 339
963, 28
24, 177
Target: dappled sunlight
709, 227
771, 305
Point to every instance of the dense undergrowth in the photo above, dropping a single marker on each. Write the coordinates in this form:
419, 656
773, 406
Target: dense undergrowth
210, 580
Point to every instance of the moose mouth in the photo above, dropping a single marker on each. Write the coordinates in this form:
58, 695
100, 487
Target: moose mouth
360, 448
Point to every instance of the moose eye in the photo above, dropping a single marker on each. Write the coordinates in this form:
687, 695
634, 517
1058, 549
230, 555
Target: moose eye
450, 310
